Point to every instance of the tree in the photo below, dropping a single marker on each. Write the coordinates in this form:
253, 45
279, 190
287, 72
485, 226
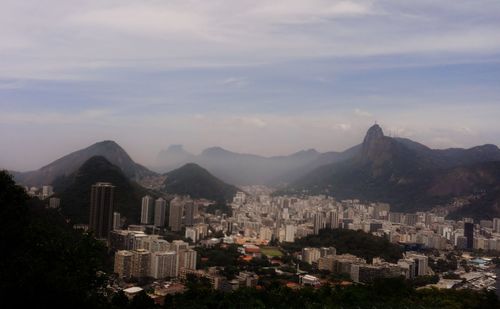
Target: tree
44, 257
142, 301
119, 300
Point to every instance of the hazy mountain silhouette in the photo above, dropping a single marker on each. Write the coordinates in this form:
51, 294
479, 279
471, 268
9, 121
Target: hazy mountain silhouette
71, 162
239, 168
191, 179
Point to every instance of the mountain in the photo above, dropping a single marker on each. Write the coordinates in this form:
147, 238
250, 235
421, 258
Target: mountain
191, 179
74, 190
173, 157
238, 168
71, 162
411, 176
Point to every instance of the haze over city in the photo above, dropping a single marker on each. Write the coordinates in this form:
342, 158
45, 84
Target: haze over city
249, 76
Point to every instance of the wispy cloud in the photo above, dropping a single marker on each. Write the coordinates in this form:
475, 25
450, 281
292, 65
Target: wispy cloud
258, 76
66, 40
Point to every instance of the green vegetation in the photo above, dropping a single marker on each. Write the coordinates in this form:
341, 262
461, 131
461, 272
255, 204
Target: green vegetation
357, 243
74, 190
387, 293
219, 255
271, 251
195, 181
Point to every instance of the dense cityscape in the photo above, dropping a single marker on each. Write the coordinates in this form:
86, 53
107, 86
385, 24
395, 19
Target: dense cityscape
259, 236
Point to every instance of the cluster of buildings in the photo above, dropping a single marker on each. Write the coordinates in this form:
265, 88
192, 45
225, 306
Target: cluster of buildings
182, 214
282, 218
261, 218
410, 266
153, 257
44, 193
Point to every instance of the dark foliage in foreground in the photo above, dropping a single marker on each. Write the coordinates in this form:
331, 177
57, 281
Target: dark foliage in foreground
43, 260
387, 293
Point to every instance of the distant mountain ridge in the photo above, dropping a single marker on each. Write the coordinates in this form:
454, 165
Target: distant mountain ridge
411, 176
247, 169
71, 162
195, 181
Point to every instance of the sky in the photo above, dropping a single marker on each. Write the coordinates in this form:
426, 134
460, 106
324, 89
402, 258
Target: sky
263, 77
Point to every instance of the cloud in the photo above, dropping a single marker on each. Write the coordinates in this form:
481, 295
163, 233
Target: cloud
308, 74
64, 40
361, 113
235, 81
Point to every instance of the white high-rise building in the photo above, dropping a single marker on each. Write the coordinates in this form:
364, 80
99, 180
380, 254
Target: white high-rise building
164, 264
421, 263
290, 233
265, 233
160, 212
147, 208
310, 255
189, 259
47, 191
191, 233
239, 198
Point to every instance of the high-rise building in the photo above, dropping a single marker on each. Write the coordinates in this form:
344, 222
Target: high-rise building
319, 222
147, 207
191, 210
469, 234
175, 214
54, 202
333, 220
141, 263
47, 191
411, 219
159, 245
310, 255
191, 233
164, 264
178, 245
290, 233
101, 209
116, 221
265, 233
277, 227
189, 259
123, 263
325, 251
421, 263
496, 225
160, 212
